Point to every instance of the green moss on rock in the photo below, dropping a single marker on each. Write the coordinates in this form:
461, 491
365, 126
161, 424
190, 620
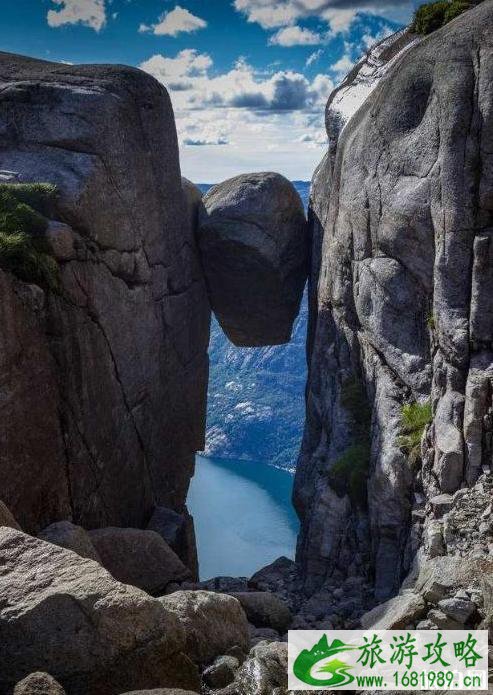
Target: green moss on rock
24, 250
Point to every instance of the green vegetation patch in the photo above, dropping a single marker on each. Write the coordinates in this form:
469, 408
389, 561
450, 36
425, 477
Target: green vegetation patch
414, 419
349, 474
24, 249
434, 15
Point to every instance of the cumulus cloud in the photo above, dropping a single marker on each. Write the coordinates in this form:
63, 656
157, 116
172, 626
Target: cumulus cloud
179, 20
177, 73
249, 113
187, 74
295, 36
272, 14
90, 13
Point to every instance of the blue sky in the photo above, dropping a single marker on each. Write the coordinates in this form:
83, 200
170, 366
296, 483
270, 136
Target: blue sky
248, 78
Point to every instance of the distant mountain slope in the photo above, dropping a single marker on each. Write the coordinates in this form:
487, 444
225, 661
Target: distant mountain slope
256, 395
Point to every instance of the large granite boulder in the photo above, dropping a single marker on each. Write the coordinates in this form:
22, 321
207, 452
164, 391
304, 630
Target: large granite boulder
264, 609
104, 384
402, 219
213, 623
38, 684
140, 558
65, 615
72, 537
179, 533
396, 613
254, 249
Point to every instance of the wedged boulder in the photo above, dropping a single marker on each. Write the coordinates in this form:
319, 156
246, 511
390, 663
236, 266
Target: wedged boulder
38, 684
264, 609
396, 613
265, 672
137, 557
66, 616
7, 518
72, 537
213, 623
179, 533
253, 242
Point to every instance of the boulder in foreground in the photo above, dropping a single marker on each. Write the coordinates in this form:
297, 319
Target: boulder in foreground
213, 623
254, 248
66, 616
39, 684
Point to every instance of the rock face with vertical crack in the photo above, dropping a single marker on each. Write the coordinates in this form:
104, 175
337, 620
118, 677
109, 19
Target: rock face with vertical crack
254, 248
402, 222
105, 383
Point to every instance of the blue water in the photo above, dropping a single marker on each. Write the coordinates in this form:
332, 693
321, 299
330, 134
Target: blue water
243, 516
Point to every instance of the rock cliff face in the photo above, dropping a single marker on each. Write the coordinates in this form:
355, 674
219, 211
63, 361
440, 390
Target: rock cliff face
402, 222
103, 384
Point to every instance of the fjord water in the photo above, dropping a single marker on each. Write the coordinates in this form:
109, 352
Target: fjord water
243, 516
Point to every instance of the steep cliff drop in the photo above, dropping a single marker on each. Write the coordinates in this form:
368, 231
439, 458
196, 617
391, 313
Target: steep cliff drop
103, 382
399, 398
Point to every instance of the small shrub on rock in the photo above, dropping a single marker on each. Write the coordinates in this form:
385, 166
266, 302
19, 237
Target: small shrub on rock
414, 419
434, 15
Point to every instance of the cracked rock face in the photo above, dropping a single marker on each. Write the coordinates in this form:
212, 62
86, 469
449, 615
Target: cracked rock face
254, 249
402, 221
106, 405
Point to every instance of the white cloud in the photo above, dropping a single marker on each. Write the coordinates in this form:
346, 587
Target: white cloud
241, 87
176, 21
258, 118
176, 73
268, 14
340, 20
313, 57
295, 36
91, 13
343, 66
272, 14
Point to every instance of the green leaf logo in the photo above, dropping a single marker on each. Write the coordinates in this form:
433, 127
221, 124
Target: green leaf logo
306, 664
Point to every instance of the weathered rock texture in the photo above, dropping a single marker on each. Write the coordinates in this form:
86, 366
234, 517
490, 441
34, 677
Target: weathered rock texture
213, 623
66, 616
253, 242
103, 385
402, 220
39, 684
140, 558
72, 537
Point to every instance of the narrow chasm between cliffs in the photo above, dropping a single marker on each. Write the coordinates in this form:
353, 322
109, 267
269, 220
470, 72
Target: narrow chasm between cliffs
129, 297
